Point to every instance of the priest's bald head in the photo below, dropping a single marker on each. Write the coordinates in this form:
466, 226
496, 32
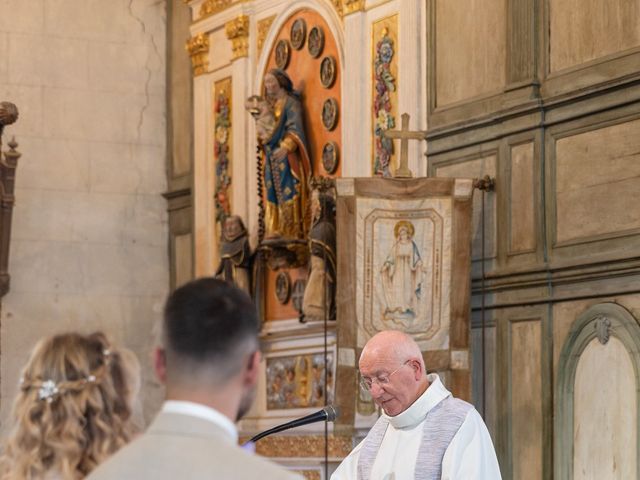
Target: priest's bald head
393, 370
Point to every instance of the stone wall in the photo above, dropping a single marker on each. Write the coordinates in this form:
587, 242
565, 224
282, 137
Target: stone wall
89, 246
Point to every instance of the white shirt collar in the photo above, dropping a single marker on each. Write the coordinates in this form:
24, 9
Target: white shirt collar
202, 411
416, 413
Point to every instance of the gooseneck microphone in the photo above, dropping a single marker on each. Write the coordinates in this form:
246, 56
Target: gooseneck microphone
327, 414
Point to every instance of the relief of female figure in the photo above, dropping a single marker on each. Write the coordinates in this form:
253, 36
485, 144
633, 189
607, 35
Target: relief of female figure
402, 275
286, 161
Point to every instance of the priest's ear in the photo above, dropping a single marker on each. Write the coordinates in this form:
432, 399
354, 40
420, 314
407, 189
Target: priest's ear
419, 370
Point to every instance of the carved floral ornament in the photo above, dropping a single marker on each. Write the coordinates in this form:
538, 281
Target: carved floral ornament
212, 7
238, 32
198, 48
602, 326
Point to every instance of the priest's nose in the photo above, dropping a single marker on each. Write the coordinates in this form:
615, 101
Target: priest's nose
376, 390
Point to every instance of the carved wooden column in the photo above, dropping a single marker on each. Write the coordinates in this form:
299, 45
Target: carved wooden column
8, 164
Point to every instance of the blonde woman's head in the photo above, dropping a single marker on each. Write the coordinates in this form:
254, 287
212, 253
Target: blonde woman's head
73, 408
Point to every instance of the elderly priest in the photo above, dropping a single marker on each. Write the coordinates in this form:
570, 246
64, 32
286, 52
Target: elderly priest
424, 433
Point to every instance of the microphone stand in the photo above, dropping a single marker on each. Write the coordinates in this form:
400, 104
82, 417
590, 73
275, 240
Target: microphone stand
327, 414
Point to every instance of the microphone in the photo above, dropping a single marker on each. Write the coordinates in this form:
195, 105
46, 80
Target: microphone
327, 414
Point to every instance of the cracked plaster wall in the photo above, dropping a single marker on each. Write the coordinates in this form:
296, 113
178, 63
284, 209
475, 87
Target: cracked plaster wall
89, 241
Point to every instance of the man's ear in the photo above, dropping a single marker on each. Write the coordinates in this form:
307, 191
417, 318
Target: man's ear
160, 363
418, 370
253, 367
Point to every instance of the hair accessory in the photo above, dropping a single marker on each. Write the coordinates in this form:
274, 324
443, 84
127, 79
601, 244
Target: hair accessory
48, 390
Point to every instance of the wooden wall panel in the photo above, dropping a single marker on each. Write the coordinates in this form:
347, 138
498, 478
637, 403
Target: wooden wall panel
522, 234
470, 49
597, 173
605, 413
584, 30
526, 399
183, 258
477, 168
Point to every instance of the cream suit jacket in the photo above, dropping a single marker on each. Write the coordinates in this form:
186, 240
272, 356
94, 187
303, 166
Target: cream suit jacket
184, 447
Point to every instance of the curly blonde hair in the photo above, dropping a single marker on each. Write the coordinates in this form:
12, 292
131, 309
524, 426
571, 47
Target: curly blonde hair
72, 411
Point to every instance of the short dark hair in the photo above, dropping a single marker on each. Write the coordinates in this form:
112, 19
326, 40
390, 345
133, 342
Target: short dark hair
207, 321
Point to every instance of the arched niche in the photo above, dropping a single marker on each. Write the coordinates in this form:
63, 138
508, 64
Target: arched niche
597, 401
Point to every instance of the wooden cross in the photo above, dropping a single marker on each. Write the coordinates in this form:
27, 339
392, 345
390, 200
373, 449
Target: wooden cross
404, 135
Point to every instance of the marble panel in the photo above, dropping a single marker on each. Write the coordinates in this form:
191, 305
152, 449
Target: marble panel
52, 164
470, 49
222, 55
183, 258
126, 168
605, 413
526, 399
82, 114
597, 172
21, 16
584, 30
478, 168
522, 234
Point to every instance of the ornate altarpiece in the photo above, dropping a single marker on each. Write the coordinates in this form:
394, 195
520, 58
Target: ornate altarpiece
404, 248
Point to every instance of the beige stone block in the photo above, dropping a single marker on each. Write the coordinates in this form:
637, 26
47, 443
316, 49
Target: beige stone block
526, 399
470, 49
45, 215
26, 53
127, 168
44, 60
125, 67
584, 30
597, 173
117, 219
29, 101
144, 120
86, 115
605, 414
52, 164
90, 19
126, 270
21, 16
65, 63
478, 168
522, 228
4, 57
39, 267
